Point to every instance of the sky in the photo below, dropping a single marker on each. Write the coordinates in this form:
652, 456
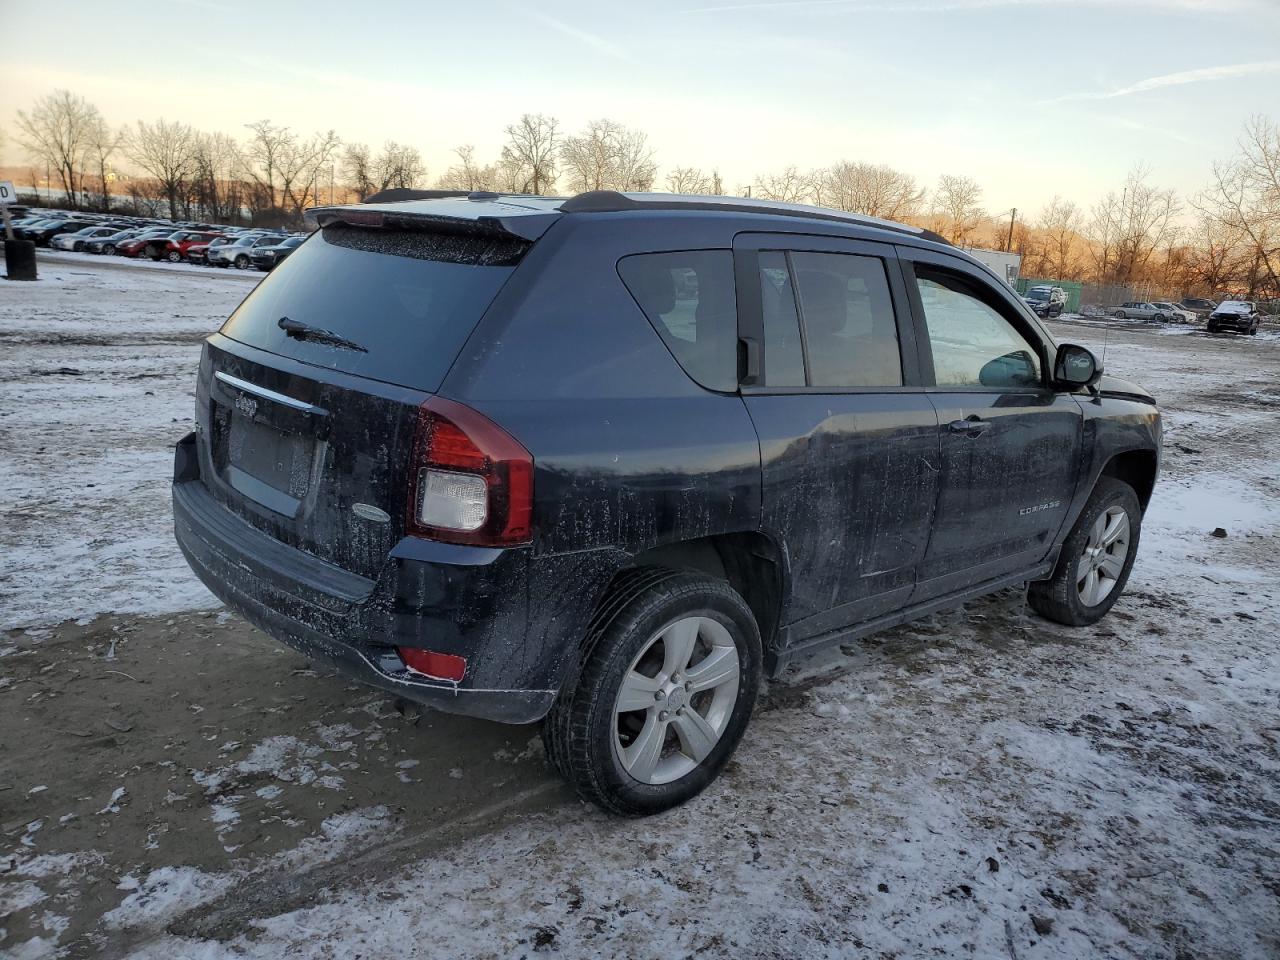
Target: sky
1031, 98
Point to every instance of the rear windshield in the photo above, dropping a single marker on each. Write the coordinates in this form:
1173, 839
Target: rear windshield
409, 299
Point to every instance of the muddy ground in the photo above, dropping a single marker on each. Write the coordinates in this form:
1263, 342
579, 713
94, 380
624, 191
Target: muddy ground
982, 783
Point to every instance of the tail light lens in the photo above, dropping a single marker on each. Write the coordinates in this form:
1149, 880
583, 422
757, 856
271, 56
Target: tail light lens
471, 481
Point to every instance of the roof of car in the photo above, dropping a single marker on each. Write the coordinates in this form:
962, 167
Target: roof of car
529, 216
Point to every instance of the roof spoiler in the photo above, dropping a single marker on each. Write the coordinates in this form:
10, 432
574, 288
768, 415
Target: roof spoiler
390, 217
400, 194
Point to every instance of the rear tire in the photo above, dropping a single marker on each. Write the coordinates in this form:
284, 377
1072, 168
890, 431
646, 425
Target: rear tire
1096, 558
663, 631
242, 262
109, 249
175, 256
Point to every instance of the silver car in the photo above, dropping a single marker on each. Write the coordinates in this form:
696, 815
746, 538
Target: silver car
1141, 310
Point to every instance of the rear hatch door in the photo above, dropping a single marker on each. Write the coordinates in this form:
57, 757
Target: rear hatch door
309, 394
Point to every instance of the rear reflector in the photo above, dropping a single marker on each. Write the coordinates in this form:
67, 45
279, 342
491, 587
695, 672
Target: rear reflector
438, 666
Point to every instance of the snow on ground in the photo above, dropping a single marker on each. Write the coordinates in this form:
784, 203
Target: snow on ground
96, 381
981, 783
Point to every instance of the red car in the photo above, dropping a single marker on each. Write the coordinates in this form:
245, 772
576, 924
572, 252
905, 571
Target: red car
145, 243
179, 245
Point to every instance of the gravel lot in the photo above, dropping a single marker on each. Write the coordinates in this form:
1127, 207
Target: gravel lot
982, 783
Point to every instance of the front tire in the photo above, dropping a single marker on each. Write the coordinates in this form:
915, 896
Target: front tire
1096, 558
664, 693
175, 256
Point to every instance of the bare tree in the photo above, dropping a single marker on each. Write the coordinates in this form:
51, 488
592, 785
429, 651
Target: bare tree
167, 151
285, 170
529, 156
1126, 230
398, 165
1243, 199
872, 189
688, 180
957, 211
607, 156
1059, 224
790, 186
357, 169
101, 144
216, 186
56, 130
467, 174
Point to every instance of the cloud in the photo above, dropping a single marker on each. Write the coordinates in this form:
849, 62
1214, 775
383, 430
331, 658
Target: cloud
1230, 71
593, 40
946, 6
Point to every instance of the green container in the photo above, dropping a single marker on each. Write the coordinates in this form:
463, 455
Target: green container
1072, 289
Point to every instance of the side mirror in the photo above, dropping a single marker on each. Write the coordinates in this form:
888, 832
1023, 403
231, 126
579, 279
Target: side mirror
1075, 367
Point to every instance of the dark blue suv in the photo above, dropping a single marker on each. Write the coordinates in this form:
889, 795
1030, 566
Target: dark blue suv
607, 461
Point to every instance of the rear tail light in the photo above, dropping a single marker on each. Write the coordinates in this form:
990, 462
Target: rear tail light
471, 482
438, 666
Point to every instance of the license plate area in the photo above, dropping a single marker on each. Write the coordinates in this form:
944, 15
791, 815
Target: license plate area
271, 456
267, 451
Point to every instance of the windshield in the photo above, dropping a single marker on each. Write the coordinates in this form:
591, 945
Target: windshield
1037, 294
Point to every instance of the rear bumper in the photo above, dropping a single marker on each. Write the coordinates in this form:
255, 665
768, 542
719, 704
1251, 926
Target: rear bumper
467, 601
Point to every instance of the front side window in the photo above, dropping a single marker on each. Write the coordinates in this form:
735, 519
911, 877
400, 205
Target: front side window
850, 332
689, 298
973, 344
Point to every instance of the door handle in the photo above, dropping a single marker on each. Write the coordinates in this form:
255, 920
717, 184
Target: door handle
971, 426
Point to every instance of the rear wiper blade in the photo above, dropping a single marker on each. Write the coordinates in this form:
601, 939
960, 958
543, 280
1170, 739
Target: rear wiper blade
303, 331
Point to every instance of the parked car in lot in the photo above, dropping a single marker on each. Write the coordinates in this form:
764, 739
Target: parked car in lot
76, 241
1046, 301
1198, 306
146, 243
1141, 310
239, 252
177, 245
44, 233
688, 440
1174, 312
107, 244
1238, 316
270, 256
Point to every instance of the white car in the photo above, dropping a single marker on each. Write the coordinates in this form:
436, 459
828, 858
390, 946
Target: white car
1176, 313
76, 240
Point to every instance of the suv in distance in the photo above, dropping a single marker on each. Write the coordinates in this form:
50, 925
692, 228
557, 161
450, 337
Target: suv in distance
606, 461
1239, 316
1046, 301
239, 252
1199, 306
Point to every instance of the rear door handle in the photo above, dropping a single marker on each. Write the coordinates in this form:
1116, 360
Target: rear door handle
972, 426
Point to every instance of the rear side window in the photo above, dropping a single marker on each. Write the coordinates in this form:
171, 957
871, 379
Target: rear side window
783, 348
849, 327
410, 300
689, 299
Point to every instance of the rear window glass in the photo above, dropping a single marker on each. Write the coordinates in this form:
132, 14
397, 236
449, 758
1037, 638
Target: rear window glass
689, 299
409, 299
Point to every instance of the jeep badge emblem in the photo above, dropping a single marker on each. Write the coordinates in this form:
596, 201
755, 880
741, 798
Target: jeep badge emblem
247, 405
369, 512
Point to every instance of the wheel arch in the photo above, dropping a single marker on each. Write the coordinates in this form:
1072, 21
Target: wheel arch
1137, 468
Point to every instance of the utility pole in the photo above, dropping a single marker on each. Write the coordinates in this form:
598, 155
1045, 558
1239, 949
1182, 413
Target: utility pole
1013, 215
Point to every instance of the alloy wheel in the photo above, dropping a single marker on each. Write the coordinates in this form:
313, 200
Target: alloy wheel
1102, 561
676, 699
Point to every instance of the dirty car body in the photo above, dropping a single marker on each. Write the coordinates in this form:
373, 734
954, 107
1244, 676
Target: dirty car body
642, 362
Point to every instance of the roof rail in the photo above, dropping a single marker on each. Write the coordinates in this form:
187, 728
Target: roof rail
612, 201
